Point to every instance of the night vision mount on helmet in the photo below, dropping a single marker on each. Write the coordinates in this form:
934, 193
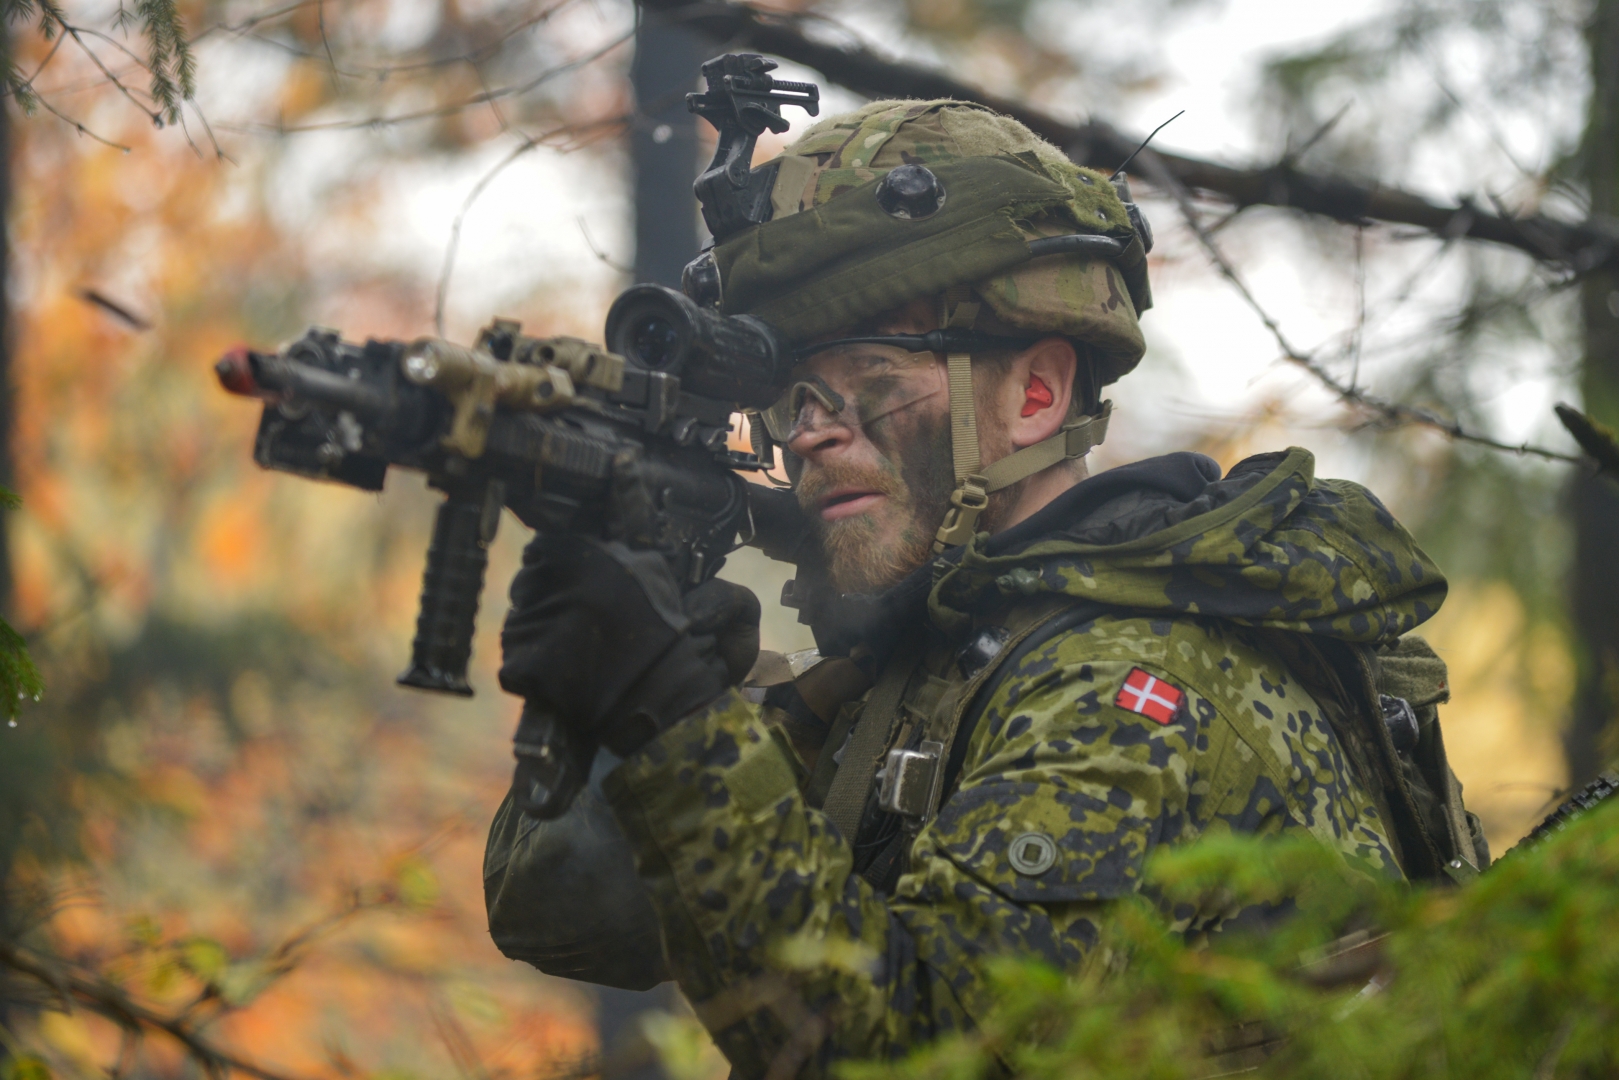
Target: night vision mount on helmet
904, 200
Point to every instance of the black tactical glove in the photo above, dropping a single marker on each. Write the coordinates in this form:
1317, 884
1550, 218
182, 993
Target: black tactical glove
598, 636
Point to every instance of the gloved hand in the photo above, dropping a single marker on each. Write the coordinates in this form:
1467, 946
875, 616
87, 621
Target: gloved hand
598, 636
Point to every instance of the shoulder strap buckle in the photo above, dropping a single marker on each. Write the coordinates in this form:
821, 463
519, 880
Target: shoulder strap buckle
910, 780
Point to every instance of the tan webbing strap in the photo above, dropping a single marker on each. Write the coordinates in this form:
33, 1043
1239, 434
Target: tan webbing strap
957, 310
1025, 621
971, 496
963, 416
846, 800
969, 499
1073, 441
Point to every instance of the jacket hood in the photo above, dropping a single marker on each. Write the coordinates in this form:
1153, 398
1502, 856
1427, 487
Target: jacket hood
1269, 545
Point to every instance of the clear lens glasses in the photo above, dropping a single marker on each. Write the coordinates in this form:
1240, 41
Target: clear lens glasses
855, 388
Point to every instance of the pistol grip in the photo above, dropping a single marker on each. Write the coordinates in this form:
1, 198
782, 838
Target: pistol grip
553, 764
451, 584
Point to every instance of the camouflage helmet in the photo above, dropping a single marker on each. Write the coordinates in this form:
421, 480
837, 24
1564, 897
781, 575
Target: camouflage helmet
900, 200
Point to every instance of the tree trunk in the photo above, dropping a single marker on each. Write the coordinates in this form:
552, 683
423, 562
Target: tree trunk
1593, 738
663, 147
7, 392
664, 158
8, 1009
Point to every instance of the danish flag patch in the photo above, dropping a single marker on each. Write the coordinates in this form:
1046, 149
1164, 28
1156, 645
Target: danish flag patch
1150, 696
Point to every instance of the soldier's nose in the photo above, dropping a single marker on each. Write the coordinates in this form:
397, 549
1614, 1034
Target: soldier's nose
816, 431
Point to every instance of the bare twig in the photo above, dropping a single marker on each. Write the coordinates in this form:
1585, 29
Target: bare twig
1583, 245
285, 957
252, 20
1359, 332
462, 1050
49, 56
375, 72
584, 230
1293, 155
219, 151
1436, 71
441, 294
118, 311
320, 16
45, 104
1389, 411
109, 1000
451, 109
74, 32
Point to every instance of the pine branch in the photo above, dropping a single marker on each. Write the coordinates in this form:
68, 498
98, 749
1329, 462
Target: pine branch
173, 68
169, 62
1579, 246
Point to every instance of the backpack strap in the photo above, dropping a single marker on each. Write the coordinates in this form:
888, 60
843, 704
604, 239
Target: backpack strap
1415, 791
980, 670
989, 679
851, 785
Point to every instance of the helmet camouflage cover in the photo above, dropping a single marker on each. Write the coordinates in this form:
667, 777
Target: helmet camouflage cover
831, 255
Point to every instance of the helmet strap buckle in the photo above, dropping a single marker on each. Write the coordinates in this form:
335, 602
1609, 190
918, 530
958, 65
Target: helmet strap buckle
967, 502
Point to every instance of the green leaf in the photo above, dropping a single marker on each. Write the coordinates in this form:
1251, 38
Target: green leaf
418, 885
683, 1046
240, 983
205, 958
28, 1067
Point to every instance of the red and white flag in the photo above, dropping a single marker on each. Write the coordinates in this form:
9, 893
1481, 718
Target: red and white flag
1150, 696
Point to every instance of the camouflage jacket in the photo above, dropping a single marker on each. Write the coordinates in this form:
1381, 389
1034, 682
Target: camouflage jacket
773, 934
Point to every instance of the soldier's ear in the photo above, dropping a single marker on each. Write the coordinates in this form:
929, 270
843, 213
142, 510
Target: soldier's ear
1040, 384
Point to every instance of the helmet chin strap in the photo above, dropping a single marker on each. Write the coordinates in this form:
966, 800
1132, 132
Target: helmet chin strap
975, 483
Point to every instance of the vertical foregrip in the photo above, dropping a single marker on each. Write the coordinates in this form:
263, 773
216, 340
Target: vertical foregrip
451, 585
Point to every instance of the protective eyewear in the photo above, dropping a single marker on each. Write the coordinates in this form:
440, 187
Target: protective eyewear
876, 389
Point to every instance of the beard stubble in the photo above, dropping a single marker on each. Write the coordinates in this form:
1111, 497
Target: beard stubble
916, 475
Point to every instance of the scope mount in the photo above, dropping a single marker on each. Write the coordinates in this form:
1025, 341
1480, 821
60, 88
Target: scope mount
742, 101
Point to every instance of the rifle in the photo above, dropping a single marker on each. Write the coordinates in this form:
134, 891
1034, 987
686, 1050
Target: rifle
625, 443
1575, 806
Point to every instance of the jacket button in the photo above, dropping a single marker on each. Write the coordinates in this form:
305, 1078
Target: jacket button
1032, 854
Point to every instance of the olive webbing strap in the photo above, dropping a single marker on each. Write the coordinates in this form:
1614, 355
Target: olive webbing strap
851, 786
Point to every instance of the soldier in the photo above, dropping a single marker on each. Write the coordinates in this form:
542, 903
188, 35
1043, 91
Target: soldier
1029, 678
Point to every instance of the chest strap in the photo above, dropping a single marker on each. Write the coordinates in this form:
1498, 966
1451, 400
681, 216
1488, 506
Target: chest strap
846, 799
979, 695
946, 736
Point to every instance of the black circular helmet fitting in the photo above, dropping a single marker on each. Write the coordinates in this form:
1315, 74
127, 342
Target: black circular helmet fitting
910, 192
700, 280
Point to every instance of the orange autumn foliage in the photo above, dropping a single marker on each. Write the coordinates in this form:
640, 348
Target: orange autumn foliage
236, 765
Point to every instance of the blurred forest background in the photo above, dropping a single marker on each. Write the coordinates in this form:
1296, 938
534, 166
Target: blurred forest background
224, 831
